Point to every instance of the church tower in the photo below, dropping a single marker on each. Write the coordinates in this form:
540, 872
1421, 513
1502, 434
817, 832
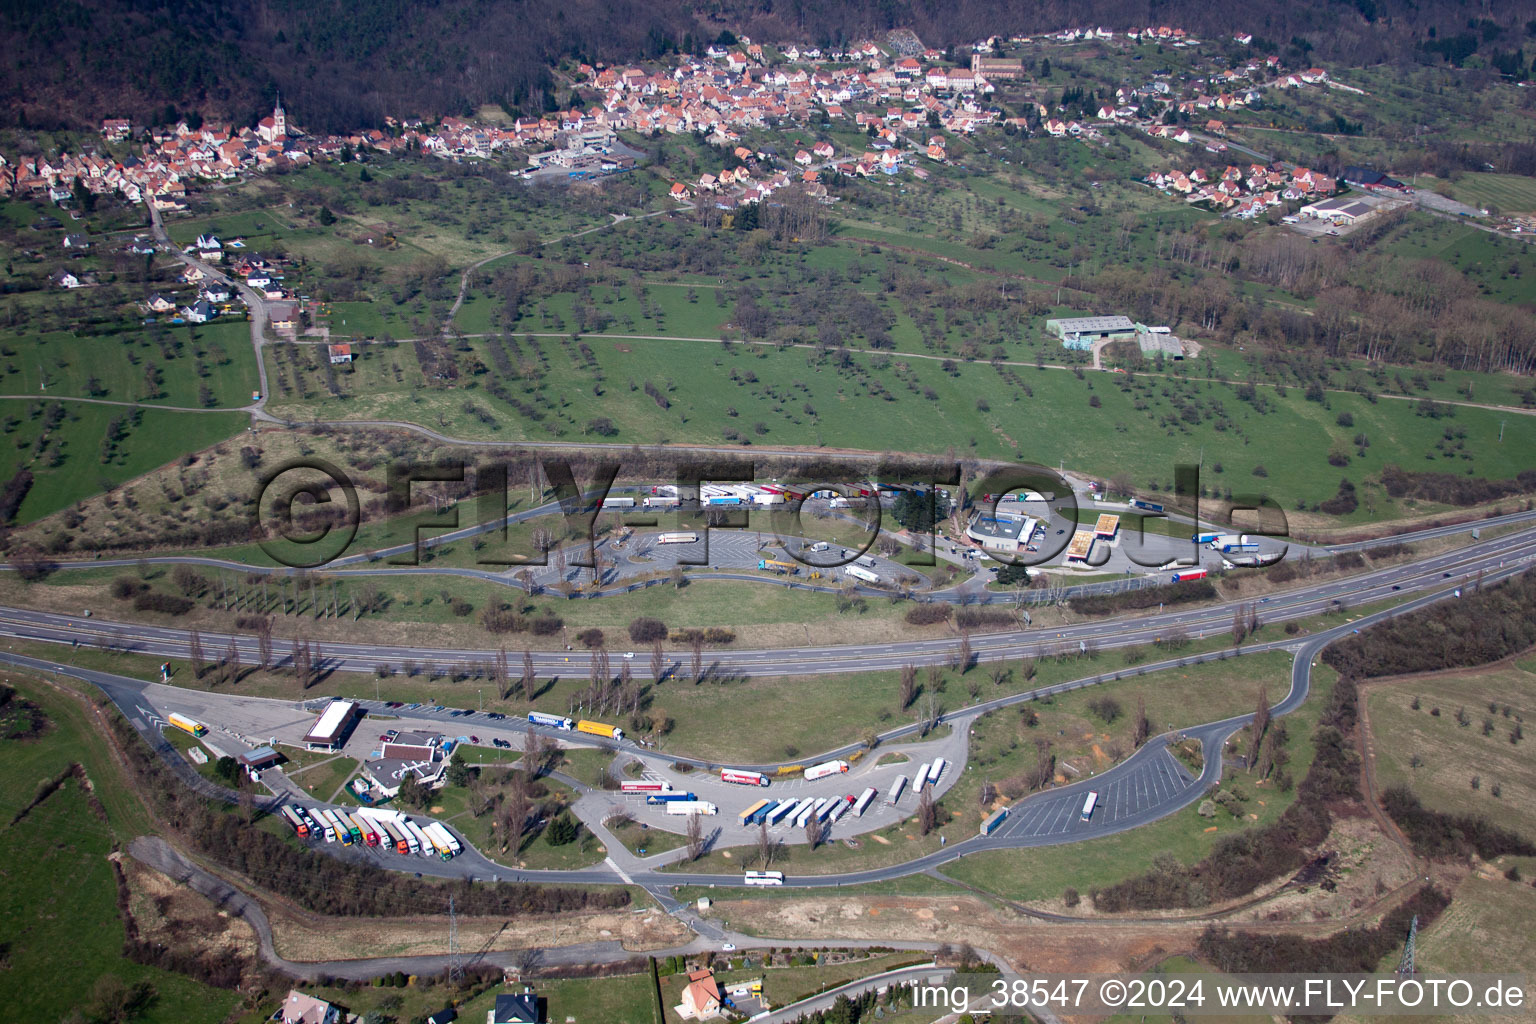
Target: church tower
279, 119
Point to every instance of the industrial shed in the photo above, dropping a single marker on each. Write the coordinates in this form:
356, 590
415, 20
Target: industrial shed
1081, 332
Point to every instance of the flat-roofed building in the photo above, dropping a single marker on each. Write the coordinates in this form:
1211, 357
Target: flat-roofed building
335, 723
1081, 546
261, 757
1005, 532
1340, 210
1107, 527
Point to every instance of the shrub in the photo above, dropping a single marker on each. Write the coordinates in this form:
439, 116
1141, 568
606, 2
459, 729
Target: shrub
591, 638
927, 614
545, 625
503, 619
168, 603
124, 587
647, 631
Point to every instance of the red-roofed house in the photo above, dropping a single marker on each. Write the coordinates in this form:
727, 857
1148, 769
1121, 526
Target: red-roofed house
701, 999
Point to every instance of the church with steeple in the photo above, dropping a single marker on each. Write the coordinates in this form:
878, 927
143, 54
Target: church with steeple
274, 129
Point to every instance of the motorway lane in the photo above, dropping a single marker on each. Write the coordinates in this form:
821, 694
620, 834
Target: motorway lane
1462, 563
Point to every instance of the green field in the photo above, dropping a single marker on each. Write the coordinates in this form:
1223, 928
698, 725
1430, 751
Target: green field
57, 894
1509, 193
1142, 426
65, 454
1436, 756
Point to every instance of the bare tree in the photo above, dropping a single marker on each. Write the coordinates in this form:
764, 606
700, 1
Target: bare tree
930, 712
696, 656
501, 674
908, 686
195, 653
264, 642
1044, 769
296, 661
765, 846
963, 654
695, 836
1253, 618
935, 678
1142, 727
813, 831
232, 661
1260, 724
515, 811
529, 678
538, 753
927, 812
998, 673
658, 661
1239, 625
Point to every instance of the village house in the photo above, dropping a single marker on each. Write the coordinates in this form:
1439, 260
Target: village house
701, 997
299, 1008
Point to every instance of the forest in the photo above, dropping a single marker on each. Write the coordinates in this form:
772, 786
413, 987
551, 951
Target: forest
1482, 626
346, 65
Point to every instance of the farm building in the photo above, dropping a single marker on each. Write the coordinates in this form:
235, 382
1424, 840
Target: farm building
1081, 332
1158, 340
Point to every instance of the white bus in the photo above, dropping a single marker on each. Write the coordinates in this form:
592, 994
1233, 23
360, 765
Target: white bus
1089, 804
763, 878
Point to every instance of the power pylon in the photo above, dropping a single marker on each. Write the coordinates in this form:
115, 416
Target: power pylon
1405, 967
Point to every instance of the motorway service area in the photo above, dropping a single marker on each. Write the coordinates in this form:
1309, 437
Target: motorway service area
847, 795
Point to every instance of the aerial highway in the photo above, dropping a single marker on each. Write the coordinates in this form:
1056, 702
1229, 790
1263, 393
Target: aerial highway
1330, 593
